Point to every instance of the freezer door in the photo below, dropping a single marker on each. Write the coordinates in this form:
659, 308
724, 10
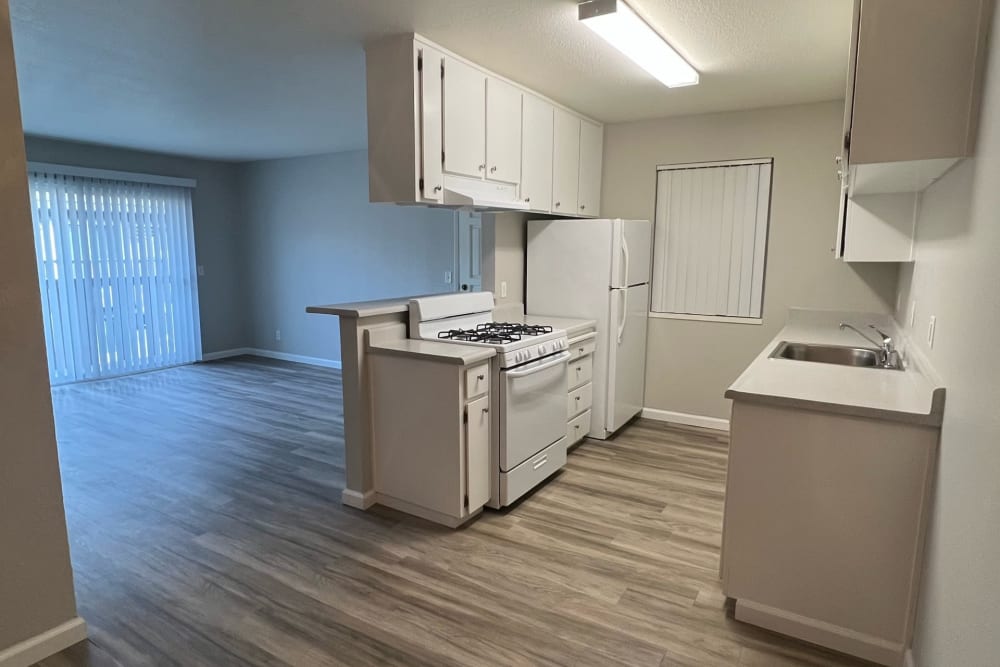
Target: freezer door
632, 253
627, 355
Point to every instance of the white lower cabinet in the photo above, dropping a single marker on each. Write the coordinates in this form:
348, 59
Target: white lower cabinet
430, 432
580, 394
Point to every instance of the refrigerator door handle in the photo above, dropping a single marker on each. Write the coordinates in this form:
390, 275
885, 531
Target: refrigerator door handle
626, 258
621, 325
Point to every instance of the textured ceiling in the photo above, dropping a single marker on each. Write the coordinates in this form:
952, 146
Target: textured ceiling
250, 79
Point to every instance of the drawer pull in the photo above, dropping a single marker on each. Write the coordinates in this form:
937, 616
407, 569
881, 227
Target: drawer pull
581, 350
579, 369
485, 410
481, 377
576, 426
578, 397
540, 462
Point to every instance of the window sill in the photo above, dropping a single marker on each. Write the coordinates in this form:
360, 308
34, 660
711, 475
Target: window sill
707, 318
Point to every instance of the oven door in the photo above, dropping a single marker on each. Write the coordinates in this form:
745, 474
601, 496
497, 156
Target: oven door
532, 408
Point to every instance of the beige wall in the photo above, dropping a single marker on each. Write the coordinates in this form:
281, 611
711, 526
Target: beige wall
504, 239
690, 364
955, 277
36, 582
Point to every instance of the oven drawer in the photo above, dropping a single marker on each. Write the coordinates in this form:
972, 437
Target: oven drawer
526, 476
579, 400
477, 380
582, 346
577, 428
581, 371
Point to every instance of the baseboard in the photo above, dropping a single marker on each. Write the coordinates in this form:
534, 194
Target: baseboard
812, 630
908, 659
272, 354
361, 501
713, 423
225, 354
45, 644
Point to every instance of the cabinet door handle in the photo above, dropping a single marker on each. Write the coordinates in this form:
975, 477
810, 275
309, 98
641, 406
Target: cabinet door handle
582, 207
579, 369
437, 188
493, 169
485, 410
481, 377
482, 167
527, 200
558, 204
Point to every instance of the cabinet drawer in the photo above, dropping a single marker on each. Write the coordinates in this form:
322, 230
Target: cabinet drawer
577, 428
581, 371
582, 346
477, 380
579, 400
520, 480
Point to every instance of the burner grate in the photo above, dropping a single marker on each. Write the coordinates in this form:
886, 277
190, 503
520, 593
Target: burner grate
496, 333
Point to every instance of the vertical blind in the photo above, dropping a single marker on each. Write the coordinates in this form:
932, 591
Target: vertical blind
711, 238
117, 274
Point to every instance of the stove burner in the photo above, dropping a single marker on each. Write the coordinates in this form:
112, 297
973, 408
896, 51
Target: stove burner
496, 333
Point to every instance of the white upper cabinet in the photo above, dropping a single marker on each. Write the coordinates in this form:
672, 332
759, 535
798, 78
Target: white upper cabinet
503, 131
444, 131
912, 105
429, 75
536, 154
566, 163
464, 118
591, 156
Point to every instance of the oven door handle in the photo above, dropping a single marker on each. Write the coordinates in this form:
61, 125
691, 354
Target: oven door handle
561, 358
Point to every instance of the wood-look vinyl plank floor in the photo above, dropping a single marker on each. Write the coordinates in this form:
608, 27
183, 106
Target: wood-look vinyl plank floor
206, 528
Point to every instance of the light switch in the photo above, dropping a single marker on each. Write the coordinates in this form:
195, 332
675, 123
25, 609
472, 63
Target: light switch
447, 277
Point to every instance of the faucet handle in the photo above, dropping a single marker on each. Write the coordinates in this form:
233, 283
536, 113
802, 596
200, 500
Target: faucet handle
886, 338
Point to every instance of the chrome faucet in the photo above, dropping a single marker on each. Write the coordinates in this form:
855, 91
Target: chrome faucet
888, 355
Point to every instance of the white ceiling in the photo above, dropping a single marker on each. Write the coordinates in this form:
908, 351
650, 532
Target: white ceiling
251, 79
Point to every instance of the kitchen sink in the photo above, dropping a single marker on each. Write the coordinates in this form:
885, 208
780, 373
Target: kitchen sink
830, 354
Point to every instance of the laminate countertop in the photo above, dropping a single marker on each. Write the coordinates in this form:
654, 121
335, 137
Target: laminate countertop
573, 327
358, 309
914, 395
453, 353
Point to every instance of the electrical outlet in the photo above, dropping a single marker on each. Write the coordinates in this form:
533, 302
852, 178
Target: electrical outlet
201, 269
447, 277
913, 313
930, 331
503, 289
277, 334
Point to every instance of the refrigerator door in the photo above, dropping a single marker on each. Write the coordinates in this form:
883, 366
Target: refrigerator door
631, 259
627, 355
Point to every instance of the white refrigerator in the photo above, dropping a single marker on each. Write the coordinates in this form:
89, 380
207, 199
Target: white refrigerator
600, 270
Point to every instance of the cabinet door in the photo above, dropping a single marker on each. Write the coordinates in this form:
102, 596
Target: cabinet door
464, 119
430, 122
565, 163
591, 156
503, 131
536, 154
477, 448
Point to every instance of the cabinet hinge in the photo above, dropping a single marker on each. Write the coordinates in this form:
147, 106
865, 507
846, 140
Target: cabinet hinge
465, 416
442, 157
421, 185
420, 63
465, 501
442, 69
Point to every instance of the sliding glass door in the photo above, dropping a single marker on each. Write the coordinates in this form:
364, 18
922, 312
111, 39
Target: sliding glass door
116, 269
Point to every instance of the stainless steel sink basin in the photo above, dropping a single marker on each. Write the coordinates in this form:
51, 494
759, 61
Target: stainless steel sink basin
830, 354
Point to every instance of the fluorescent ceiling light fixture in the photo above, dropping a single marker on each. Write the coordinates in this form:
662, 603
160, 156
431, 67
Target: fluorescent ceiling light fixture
617, 23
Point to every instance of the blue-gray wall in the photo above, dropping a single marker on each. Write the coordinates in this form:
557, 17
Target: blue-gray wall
313, 238
277, 235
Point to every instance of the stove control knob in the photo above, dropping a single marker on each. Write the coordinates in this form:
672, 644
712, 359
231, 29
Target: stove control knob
541, 349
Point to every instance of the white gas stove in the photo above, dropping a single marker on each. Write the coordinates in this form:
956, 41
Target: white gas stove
528, 382
468, 319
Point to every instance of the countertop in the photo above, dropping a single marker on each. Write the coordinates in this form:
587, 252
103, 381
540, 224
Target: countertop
464, 355
913, 395
573, 326
360, 309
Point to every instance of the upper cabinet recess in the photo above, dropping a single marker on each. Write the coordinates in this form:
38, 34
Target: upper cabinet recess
443, 131
912, 108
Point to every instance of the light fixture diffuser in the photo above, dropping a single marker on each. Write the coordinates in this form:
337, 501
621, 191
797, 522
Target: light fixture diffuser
621, 27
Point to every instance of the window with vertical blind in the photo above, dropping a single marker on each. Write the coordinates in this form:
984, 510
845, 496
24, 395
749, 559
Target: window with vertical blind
710, 239
116, 270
